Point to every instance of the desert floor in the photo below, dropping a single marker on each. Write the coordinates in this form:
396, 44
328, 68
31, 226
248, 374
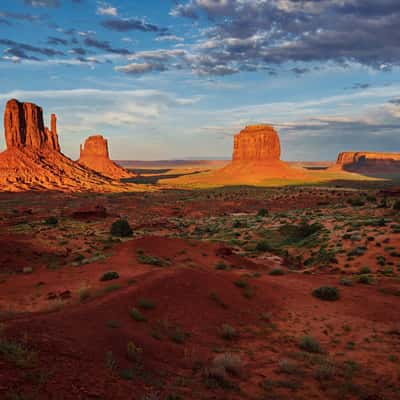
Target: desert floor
212, 296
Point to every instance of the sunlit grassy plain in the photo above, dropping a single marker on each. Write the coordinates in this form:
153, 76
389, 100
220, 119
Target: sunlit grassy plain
204, 180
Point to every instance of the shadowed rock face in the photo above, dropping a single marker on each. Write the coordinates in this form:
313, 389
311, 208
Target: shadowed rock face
94, 155
257, 143
24, 127
360, 161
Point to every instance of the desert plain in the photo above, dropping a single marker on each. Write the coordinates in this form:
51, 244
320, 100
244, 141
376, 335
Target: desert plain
200, 200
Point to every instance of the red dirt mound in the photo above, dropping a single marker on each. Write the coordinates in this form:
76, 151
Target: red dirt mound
190, 306
94, 155
84, 348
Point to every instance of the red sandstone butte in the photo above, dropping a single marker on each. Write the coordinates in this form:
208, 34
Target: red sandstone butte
94, 155
33, 160
24, 127
256, 156
257, 143
368, 162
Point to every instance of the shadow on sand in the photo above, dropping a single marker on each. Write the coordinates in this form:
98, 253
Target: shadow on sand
155, 176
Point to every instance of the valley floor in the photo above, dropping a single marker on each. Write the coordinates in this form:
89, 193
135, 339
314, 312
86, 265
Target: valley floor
212, 297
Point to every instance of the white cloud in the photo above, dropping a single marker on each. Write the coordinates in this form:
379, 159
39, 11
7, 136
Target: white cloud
170, 38
106, 9
135, 68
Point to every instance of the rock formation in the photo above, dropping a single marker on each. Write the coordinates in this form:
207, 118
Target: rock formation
94, 155
24, 127
257, 143
256, 157
33, 161
368, 162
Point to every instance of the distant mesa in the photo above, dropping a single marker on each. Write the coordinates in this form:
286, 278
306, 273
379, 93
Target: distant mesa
255, 159
369, 162
256, 156
94, 155
33, 159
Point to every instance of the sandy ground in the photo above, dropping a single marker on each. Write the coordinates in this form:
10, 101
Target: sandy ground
199, 310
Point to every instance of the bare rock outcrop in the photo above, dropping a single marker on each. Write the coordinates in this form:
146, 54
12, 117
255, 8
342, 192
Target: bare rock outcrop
33, 160
362, 161
256, 157
24, 127
257, 143
94, 155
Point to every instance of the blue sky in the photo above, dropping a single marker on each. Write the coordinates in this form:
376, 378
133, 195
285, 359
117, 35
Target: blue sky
174, 79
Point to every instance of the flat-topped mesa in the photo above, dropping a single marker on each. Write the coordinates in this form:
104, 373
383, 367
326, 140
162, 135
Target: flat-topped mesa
94, 155
256, 157
354, 161
24, 127
257, 143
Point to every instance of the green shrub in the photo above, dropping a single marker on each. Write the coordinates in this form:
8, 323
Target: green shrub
152, 260
237, 224
51, 221
111, 288
263, 246
229, 362
325, 371
277, 272
214, 297
288, 367
113, 324
109, 276
346, 282
133, 352
111, 362
381, 260
396, 205
16, 353
137, 315
356, 202
263, 212
127, 374
177, 335
84, 294
121, 228
365, 279
241, 283
308, 343
327, 293
364, 270
228, 332
146, 304
221, 266
297, 233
